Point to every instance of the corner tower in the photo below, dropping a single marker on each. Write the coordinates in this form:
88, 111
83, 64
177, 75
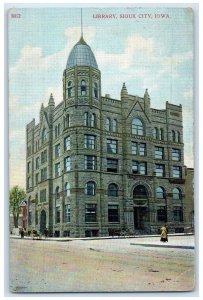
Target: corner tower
81, 78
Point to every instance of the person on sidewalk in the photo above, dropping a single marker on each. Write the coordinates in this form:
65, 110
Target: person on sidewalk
164, 235
22, 233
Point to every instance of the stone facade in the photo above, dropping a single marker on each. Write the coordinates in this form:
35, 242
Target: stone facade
97, 165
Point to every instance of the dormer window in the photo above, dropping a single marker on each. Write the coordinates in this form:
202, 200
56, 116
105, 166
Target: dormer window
83, 88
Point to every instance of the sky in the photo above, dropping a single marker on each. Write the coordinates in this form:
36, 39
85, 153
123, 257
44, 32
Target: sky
145, 51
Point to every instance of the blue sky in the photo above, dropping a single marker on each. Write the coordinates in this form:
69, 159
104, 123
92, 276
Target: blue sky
144, 53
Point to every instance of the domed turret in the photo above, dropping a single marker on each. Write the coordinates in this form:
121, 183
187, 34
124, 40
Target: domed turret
81, 55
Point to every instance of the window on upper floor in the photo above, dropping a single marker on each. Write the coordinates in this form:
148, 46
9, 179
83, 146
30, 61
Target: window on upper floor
112, 146
142, 149
85, 119
107, 124
92, 120
161, 134
90, 188
114, 125
177, 137
42, 196
56, 132
67, 165
67, 143
67, 213
67, 189
70, 89
159, 170
36, 178
137, 127
176, 154
113, 190
173, 135
134, 148
57, 170
90, 162
57, 193
28, 167
160, 192
176, 172
95, 93
159, 152
177, 195
156, 133
44, 135
44, 156
37, 163
57, 150
139, 167
43, 174
112, 165
83, 88
90, 141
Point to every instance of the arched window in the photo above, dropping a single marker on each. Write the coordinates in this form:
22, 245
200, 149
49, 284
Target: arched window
155, 133
107, 124
137, 127
95, 94
160, 193
57, 194
83, 88
92, 120
140, 192
177, 195
67, 189
161, 134
113, 190
70, 89
59, 129
114, 125
90, 188
44, 135
173, 135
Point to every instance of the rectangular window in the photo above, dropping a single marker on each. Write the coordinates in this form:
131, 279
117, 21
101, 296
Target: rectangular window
67, 164
37, 178
112, 165
160, 170
113, 213
177, 172
67, 143
178, 214
159, 152
90, 213
176, 154
44, 174
57, 170
142, 149
139, 167
42, 196
134, 147
44, 156
162, 214
134, 167
90, 141
29, 167
112, 146
37, 163
57, 215
143, 168
67, 213
90, 162
57, 150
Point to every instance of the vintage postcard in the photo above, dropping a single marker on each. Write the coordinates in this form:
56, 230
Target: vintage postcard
101, 149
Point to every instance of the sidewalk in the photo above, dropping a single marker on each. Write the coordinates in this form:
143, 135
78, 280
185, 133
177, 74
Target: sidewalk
182, 241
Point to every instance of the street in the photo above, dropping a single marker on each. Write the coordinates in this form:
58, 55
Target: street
108, 265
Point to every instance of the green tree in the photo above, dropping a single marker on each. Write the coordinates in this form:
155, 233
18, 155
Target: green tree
17, 195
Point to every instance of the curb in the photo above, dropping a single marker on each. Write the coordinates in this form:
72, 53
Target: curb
163, 246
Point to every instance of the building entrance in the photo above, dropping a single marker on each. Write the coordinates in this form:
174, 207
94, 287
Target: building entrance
140, 199
42, 221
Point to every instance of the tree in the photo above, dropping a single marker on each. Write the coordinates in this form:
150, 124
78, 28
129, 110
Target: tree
17, 195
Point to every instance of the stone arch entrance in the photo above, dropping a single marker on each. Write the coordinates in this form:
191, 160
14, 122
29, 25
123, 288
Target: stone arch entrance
42, 221
140, 201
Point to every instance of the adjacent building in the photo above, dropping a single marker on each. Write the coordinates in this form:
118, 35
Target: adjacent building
96, 164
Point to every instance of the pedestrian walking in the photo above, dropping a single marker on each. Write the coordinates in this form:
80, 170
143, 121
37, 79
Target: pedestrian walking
164, 235
22, 233
46, 232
